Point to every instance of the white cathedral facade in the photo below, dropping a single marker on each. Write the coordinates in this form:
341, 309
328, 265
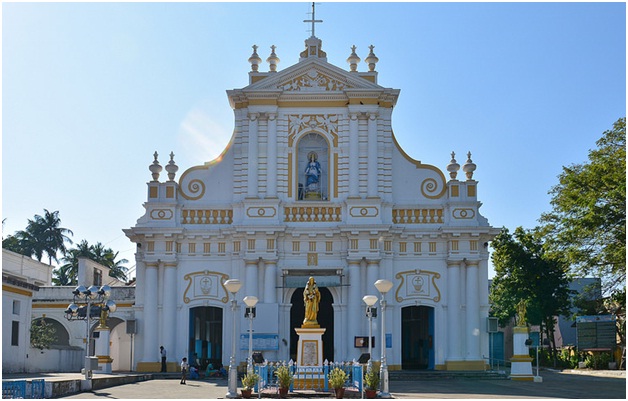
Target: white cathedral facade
313, 183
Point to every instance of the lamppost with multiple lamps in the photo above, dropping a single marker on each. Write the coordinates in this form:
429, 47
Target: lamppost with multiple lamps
250, 302
383, 286
87, 303
233, 286
370, 300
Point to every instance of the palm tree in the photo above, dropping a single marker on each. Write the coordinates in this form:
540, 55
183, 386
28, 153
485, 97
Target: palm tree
68, 272
52, 236
43, 235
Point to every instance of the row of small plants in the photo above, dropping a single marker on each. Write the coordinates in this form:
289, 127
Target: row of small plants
337, 378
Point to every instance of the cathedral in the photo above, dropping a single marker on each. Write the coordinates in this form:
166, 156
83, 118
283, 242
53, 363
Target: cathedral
313, 184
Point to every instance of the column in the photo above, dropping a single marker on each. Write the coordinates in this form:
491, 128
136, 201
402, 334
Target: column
151, 347
372, 275
251, 272
271, 171
453, 310
473, 312
372, 155
253, 153
354, 156
270, 282
102, 350
169, 310
354, 307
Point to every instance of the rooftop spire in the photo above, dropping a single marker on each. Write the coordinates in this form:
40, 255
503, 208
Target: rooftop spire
313, 20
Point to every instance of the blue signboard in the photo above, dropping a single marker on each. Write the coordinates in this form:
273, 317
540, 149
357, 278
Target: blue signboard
261, 342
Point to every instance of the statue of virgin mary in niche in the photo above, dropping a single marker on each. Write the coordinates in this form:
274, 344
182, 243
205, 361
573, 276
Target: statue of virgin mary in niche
312, 172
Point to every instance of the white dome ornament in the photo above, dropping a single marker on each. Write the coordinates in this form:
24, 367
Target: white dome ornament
353, 60
469, 167
155, 168
272, 60
254, 59
371, 59
453, 166
171, 167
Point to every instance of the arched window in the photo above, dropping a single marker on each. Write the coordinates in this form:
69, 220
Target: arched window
313, 168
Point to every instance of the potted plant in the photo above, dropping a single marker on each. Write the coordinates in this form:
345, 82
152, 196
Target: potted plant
371, 383
284, 380
248, 383
337, 378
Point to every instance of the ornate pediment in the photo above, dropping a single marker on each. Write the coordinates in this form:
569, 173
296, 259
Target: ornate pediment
313, 81
312, 76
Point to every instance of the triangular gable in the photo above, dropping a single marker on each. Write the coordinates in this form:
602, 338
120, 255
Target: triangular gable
312, 76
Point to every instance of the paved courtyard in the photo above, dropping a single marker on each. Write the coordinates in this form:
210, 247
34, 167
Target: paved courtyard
608, 385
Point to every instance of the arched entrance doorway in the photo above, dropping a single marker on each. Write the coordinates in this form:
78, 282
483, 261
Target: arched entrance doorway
325, 320
205, 336
417, 337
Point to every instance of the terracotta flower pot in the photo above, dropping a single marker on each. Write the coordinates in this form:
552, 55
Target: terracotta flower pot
283, 392
340, 392
246, 393
370, 393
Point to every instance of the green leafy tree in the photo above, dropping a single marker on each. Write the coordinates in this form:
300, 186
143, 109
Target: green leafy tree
42, 235
524, 271
42, 334
67, 273
587, 223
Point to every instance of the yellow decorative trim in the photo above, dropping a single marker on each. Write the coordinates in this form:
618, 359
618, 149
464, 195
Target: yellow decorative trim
402, 276
206, 216
299, 214
161, 214
208, 289
17, 291
521, 329
465, 365
417, 216
471, 191
290, 172
363, 211
336, 174
521, 358
261, 212
104, 359
312, 259
455, 190
153, 192
169, 192
522, 378
463, 214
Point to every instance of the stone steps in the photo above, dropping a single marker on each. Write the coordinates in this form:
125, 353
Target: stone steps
408, 375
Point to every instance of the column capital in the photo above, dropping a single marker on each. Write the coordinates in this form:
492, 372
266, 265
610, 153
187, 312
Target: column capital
354, 115
454, 263
372, 115
271, 116
253, 116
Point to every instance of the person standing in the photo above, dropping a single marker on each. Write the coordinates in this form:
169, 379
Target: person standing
162, 351
184, 369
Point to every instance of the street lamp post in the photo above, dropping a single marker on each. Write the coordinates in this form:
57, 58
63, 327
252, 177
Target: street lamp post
233, 286
87, 302
383, 286
370, 300
250, 302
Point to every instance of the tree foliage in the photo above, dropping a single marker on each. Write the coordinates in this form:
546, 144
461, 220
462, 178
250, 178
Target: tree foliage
42, 235
587, 223
67, 273
42, 334
524, 271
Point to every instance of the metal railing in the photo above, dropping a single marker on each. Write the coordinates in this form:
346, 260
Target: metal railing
308, 377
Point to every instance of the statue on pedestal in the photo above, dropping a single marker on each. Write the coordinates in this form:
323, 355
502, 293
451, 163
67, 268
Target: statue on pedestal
311, 298
521, 313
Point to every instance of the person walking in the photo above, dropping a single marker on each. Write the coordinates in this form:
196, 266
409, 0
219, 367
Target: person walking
184, 369
162, 351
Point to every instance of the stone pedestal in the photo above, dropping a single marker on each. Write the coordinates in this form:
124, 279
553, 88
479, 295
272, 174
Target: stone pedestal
521, 362
101, 348
310, 346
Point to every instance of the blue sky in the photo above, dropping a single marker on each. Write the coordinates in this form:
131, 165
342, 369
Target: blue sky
91, 90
